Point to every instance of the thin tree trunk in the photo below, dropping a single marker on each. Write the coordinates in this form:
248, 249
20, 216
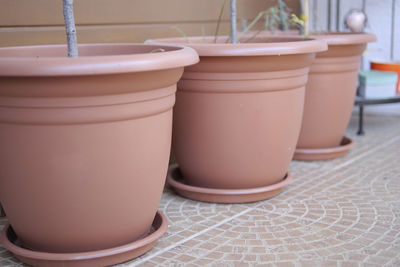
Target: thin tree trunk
233, 22
68, 10
304, 12
307, 17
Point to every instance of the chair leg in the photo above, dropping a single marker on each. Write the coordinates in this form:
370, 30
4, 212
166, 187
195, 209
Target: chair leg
361, 121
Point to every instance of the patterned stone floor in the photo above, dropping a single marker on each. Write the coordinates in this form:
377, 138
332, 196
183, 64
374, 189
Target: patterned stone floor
342, 212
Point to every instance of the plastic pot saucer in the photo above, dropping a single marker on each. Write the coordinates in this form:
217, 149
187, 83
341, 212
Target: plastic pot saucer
176, 181
324, 153
104, 257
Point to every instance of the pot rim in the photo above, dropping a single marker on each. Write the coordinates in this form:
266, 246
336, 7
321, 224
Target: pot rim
394, 63
88, 255
176, 56
344, 38
288, 45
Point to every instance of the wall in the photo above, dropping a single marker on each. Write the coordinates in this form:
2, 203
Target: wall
379, 13
27, 22
24, 22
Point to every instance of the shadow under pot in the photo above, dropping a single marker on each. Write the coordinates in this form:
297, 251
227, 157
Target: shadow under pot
84, 152
237, 117
330, 96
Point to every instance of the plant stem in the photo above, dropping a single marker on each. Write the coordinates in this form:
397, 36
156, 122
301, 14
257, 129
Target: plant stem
219, 21
68, 10
253, 36
233, 22
182, 33
255, 20
282, 24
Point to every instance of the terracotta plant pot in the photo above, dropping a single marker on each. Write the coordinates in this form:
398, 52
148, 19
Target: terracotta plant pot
330, 95
238, 112
85, 141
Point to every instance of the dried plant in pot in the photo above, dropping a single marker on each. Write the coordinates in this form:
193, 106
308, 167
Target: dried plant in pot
330, 95
85, 145
330, 90
237, 117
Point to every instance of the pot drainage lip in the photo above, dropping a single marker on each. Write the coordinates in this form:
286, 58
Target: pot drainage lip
175, 180
324, 153
103, 257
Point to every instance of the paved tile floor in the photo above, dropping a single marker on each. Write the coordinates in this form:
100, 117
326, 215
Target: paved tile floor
342, 212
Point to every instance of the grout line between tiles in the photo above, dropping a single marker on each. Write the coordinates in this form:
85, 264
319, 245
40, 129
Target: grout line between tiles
296, 217
12, 264
342, 165
321, 222
332, 177
257, 207
190, 237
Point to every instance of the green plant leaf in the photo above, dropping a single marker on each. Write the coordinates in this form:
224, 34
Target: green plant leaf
219, 20
181, 32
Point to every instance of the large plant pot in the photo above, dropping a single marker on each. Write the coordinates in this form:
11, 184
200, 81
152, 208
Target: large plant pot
85, 142
238, 113
330, 95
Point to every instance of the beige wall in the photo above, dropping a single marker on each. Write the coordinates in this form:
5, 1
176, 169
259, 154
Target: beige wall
26, 22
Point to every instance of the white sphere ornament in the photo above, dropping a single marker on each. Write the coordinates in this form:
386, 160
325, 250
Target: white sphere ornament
355, 20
